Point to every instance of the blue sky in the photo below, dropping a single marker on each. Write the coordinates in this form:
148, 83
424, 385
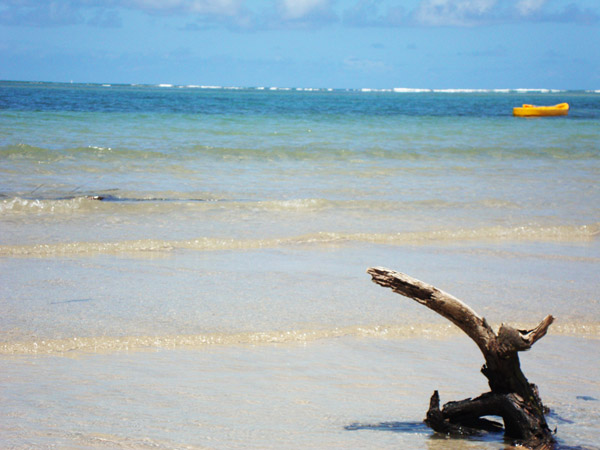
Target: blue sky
305, 43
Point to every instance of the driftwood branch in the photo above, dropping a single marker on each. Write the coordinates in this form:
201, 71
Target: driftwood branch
439, 301
512, 397
512, 340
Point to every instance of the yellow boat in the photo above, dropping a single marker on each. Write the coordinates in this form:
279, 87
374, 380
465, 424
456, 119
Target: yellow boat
562, 109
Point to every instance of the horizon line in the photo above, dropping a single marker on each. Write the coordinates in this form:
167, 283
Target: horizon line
409, 90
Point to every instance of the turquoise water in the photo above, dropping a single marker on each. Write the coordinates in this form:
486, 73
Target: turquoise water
167, 251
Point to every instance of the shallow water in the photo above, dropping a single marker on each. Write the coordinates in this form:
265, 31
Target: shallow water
185, 268
346, 392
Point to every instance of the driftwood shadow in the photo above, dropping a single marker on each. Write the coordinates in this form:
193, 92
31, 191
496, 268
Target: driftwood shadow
421, 428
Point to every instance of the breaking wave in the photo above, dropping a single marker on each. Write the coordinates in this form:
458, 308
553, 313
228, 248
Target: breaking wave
19, 205
522, 233
99, 202
160, 202
103, 344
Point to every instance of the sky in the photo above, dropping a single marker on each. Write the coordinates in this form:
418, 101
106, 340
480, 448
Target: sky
378, 44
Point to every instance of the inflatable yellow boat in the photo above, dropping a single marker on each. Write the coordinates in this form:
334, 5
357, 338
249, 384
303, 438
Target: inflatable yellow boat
562, 109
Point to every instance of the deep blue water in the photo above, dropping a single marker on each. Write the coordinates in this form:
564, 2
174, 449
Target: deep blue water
153, 99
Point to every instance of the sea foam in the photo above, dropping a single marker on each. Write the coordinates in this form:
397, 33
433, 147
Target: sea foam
490, 234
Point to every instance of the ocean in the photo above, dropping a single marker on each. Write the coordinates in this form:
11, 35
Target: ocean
183, 267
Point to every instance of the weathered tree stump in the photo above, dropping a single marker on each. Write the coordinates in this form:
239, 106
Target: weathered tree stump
511, 397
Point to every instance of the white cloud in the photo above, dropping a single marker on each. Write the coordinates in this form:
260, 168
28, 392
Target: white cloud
217, 7
279, 14
453, 12
526, 7
298, 9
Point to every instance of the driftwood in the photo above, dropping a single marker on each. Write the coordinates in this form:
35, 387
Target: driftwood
512, 397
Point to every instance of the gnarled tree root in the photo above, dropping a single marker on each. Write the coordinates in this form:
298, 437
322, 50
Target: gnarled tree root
466, 418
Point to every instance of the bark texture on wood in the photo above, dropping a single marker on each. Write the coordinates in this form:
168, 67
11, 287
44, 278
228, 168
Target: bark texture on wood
511, 397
